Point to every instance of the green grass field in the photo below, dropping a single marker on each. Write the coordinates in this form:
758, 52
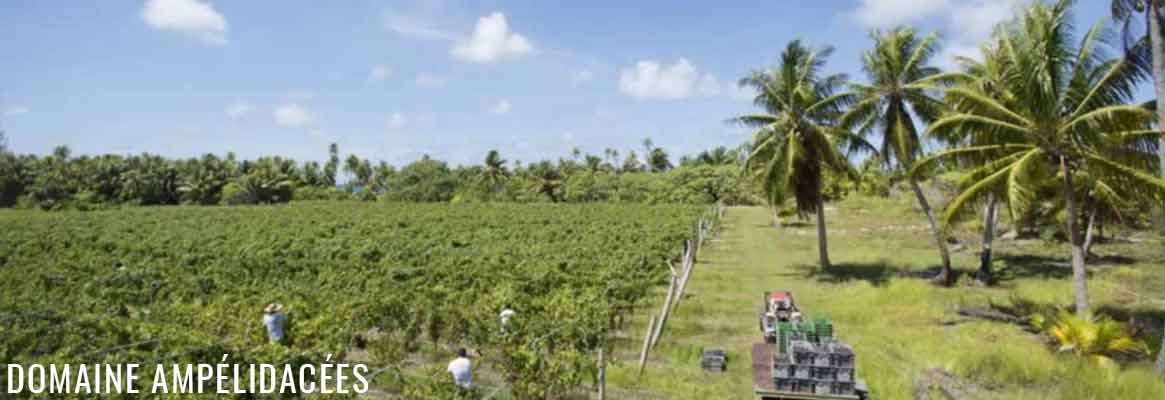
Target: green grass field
899, 325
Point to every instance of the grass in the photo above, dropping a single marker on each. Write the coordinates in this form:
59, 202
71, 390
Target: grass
899, 325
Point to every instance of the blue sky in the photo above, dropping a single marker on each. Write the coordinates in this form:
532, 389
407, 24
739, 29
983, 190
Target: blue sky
392, 80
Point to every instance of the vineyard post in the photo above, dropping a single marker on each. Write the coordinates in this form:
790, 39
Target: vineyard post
602, 374
699, 240
646, 344
688, 265
671, 291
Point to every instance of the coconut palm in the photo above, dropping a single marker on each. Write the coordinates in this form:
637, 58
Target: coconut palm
657, 160
333, 164
1068, 101
717, 156
494, 172
901, 89
1152, 13
1100, 340
986, 76
795, 136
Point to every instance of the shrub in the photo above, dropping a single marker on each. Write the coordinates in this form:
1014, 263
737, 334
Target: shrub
1099, 339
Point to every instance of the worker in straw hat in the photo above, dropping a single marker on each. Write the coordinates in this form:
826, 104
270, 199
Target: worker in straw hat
274, 319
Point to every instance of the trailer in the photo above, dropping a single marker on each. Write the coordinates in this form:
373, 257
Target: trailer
802, 359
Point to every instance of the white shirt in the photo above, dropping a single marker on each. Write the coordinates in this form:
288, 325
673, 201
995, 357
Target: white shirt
460, 370
274, 323
506, 314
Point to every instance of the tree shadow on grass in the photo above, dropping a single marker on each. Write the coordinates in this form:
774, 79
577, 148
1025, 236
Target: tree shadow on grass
876, 273
1021, 266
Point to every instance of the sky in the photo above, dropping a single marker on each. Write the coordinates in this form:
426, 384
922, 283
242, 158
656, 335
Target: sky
392, 80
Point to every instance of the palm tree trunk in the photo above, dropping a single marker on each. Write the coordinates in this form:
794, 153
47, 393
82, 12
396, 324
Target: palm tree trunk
822, 245
1157, 42
776, 217
984, 275
944, 276
1093, 210
1161, 356
1079, 274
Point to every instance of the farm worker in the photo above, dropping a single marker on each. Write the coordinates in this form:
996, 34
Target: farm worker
506, 314
459, 368
273, 319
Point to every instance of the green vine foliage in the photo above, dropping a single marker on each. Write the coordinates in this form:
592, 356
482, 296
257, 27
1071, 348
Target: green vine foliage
187, 284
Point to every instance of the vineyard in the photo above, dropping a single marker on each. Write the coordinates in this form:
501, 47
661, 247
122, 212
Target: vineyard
187, 284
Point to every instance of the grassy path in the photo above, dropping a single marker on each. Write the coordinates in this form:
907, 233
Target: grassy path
899, 326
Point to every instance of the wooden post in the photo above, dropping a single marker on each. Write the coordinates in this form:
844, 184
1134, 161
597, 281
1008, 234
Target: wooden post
602, 375
671, 290
646, 343
689, 265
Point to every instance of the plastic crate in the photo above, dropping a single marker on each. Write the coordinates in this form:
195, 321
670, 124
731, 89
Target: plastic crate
845, 374
823, 373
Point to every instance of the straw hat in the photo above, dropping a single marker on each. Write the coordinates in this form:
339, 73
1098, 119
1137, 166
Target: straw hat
273, 308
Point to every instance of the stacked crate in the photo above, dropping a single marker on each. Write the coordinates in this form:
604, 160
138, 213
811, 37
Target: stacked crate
714, 359
810, 360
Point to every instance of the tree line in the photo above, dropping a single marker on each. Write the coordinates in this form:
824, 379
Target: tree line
61, 180
1042, 121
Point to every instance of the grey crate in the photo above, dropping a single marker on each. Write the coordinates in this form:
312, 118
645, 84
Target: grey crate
783, 371
845, 374
823, 387
806, 385
843, 388
823, 373
802, 372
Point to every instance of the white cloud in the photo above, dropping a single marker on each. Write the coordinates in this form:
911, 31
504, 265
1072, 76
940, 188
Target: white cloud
379, 73
888, 13
195, 18
395, 121
292, 115
239, 109
491, 41
502, 107
431, 80
650, 81
12, 111
965, 23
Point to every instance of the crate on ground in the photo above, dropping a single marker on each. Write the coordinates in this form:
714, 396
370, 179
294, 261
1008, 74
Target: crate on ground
714, 359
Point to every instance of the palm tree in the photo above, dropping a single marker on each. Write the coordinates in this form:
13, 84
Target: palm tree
594, 163
657, 160
1127, 12
547, 180
900, 91
717, 156
494, 173
631, 163
1068, 103
648, 146
795, 136
332, 165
